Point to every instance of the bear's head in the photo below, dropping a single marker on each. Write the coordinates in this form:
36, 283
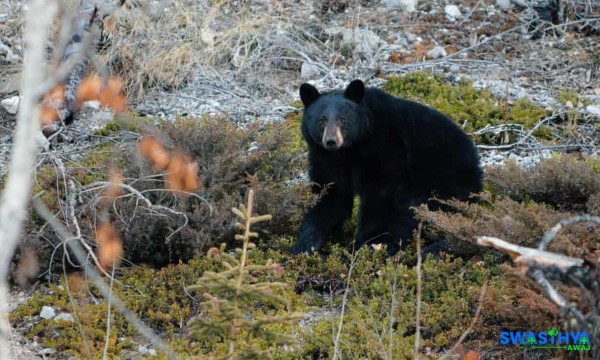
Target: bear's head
335, 119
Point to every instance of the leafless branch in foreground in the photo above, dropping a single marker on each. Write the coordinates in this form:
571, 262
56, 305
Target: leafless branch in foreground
17, 192
543, 266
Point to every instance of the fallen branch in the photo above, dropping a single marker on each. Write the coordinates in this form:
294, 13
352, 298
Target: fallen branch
540, 265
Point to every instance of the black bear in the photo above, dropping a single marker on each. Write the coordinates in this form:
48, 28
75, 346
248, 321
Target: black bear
392, 153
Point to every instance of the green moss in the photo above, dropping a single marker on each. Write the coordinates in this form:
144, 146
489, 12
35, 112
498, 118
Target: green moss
472, 109
157, 296
573, 97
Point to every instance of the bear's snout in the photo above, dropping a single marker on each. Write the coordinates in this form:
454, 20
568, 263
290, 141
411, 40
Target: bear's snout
332, 137
330, 144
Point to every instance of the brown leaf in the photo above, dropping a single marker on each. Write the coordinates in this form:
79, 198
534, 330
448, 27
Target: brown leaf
151, 149
110, 248
28, 267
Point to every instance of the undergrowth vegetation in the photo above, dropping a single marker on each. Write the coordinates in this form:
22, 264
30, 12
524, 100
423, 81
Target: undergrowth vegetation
361, 304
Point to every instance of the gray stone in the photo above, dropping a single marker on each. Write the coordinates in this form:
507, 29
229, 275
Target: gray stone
364, 41
504, 5
452, 12
406, 5
593, 109
436, 52
11, 104
410, 37
47, 312
308, 71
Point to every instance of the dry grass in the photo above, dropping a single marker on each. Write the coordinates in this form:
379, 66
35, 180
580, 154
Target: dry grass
166, 45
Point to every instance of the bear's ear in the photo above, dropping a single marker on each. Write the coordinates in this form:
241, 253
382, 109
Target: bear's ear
355, 91
308, 94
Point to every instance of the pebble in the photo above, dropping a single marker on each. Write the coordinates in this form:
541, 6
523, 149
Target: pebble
593, 109
64, 317
504, 5
436, 52
47, 312
406, 5
11, 104
143, 350
452, 12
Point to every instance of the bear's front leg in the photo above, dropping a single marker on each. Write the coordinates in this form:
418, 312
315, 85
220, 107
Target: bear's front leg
332, 209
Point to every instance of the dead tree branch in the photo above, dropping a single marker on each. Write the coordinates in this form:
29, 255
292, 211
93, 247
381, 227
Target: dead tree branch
543, 266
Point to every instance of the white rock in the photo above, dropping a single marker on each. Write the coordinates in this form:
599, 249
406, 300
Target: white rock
47, 351
410, 37
452, 12
504, 5
64, 317
47, 312
436, 52
593, 109
11, 104
92, 104
364, 41
308, 71
406, 5
207, 36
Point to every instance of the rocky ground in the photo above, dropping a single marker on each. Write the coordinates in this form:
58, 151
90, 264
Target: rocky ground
491, 42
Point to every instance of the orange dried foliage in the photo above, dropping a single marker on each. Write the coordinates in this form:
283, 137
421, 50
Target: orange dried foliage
110, 248
52, 100
182, 172
28, 267
151, 149
472, 355
92, 87
394, 57
114, 187
89, 89
112, 96
109, 95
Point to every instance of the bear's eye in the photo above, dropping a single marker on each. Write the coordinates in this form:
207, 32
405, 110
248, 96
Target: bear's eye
342, 120
323, 121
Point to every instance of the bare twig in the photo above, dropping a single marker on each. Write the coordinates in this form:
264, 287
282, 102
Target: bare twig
149, 204
108, 314
521, 141
336, 342
419, 291
17, 192
550, 234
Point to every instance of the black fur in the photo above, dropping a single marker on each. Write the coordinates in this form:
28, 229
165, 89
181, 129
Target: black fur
395, 154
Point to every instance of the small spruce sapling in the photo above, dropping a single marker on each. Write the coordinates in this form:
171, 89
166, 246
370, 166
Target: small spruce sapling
231, 295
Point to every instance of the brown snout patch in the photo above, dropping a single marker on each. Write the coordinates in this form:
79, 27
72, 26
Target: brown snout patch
333, 130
